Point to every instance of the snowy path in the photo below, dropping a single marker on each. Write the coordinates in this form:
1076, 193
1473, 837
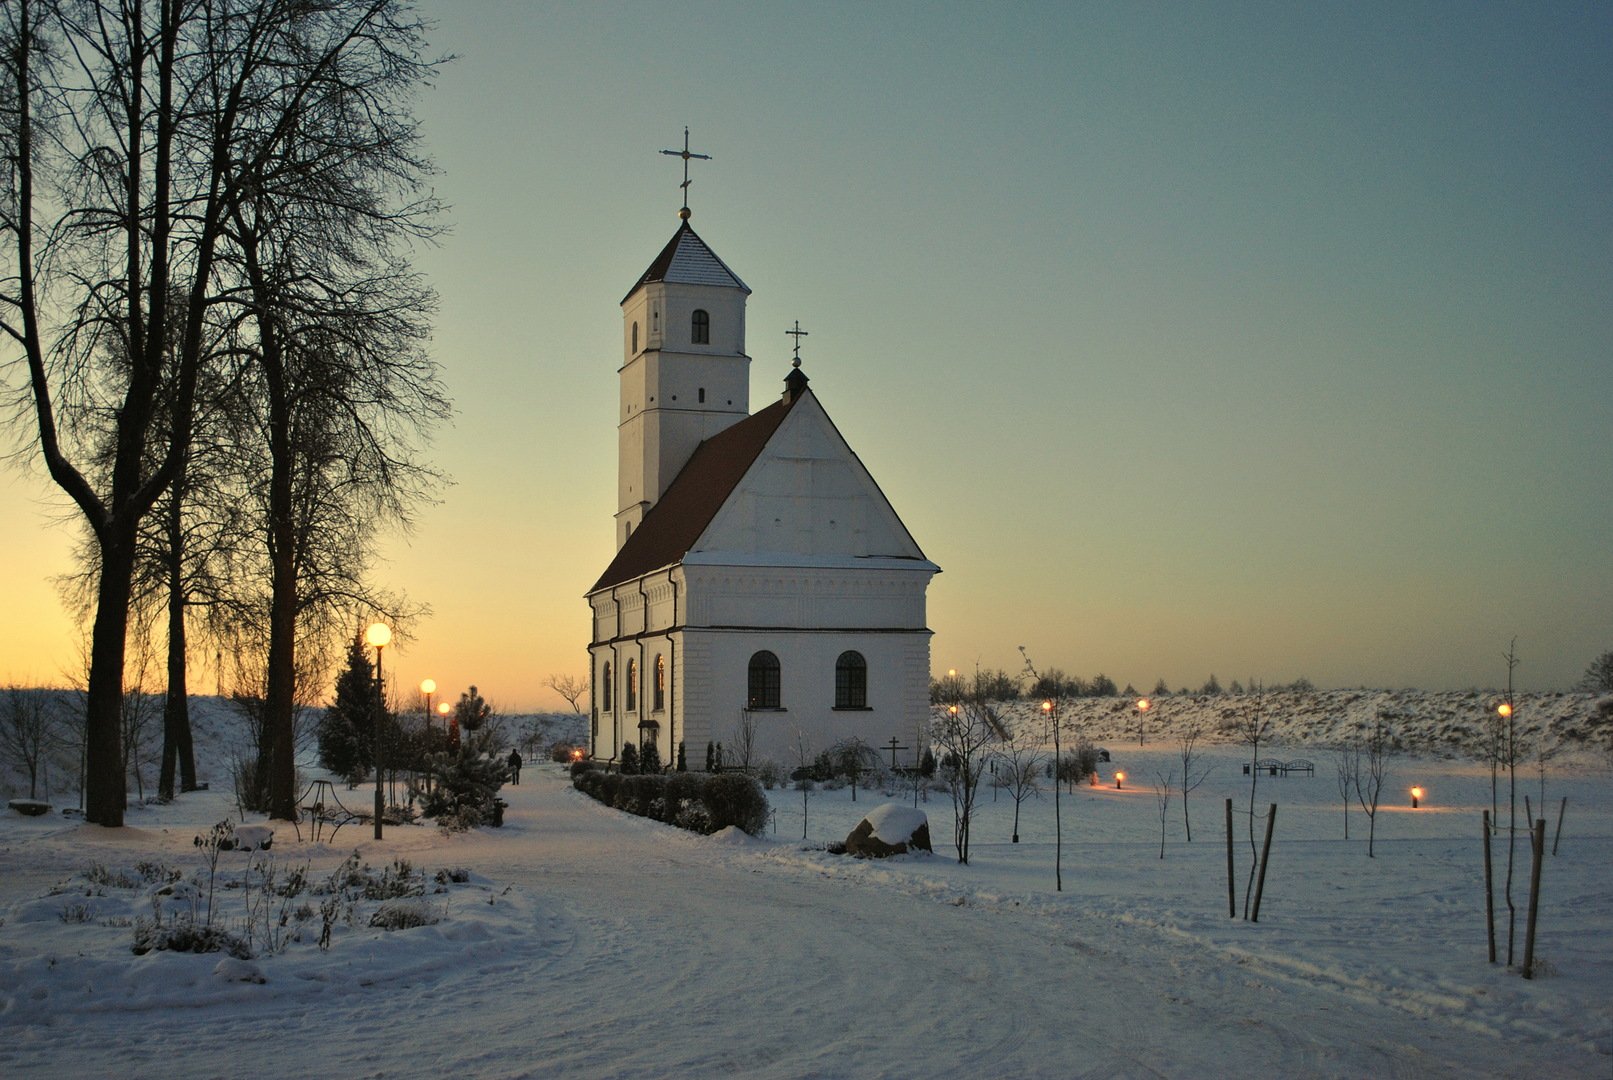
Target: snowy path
637, 951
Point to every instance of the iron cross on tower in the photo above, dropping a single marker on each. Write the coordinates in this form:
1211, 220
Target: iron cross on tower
797, 333
685, 154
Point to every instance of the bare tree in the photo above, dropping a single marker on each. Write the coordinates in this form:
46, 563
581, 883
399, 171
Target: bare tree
1347, 774
744, 742
1018, 770
803, 774
28, 731
134, 136
1372, 768
963, 735
1193, 773
1050, 708
1252, 727
570, 687
1162, 784
852, 758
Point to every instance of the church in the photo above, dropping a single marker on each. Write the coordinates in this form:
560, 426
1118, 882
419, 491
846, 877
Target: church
762, 582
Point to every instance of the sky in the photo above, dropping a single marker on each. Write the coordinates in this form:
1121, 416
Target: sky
1258, 340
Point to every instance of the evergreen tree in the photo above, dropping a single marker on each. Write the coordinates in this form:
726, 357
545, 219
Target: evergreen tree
649, 759
629, 764
347, 730
471, 711
683, 763
711, 757
1162, 689
466, 783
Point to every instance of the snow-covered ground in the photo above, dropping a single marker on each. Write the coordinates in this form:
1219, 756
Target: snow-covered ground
588, 943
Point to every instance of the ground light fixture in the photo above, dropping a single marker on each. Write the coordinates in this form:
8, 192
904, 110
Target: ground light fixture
1120, 777
1416, 794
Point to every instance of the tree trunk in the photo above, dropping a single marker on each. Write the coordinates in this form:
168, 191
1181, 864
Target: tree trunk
178, 754
106, 792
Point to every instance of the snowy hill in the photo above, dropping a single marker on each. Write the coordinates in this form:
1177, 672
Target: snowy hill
1449, 723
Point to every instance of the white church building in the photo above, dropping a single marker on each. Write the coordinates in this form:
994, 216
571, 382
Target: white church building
760, 572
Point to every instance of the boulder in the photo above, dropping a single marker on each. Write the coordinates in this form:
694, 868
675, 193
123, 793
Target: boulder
891, 829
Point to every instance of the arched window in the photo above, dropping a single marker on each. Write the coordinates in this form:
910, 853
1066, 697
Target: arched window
635, 339
630, 690
851, 681
660, 682
763, 682
700, 327
604, 690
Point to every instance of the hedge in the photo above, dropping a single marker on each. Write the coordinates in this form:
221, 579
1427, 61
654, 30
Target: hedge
699, 802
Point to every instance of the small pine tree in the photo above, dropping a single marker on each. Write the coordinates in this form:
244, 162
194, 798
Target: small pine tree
1162, 689
629, 764
683, 763
649, 759
927, 764
471, 711
719, 757
466, 783
711, 757
347, 730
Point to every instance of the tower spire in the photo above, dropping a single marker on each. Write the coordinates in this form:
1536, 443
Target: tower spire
686, 154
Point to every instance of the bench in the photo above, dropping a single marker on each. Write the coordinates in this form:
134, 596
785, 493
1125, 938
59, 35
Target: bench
1300, 766
323, 810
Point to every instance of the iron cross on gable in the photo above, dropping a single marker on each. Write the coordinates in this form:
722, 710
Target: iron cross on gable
686, 154
797, 333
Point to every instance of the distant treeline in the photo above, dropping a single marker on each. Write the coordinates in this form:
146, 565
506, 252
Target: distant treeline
999, 685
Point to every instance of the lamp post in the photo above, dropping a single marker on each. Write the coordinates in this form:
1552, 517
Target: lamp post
450, 725
380, 636
1119, 778
428, 687
1051, 712
1143, 705
1416, 794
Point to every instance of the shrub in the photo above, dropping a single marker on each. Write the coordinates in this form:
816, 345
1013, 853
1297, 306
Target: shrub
736, 799
770, 773
467, 783
580, 767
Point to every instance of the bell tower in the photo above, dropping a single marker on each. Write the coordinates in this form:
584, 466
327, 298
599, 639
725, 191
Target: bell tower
684, 375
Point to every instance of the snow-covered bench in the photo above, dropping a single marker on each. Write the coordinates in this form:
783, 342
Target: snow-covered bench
1300, 766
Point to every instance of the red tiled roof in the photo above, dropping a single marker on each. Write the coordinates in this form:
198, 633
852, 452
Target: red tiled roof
676, 522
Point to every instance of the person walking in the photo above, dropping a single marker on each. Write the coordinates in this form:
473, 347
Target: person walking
514, 763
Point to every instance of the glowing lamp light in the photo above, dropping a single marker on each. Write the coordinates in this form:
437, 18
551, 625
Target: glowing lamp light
1120, 777
1505, 709
428, 686
378, 636
1416, 794
1143, 705
576, 753
1047, 706
952, 710
444, 709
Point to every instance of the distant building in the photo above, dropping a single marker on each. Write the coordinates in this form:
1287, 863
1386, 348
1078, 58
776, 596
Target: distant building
760, 572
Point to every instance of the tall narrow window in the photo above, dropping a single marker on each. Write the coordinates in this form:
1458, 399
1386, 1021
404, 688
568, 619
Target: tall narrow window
635, 339
630, 689
851, 681
763, 682
700, 327
660, 682
604, 688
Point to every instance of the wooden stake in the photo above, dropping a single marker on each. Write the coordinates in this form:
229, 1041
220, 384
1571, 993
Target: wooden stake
1558, 838
1232, 888
1265, 858
1539, 847
1528, 811
1489, 888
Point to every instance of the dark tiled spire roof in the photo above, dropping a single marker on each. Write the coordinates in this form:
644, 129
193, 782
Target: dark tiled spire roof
676, 522
687, 260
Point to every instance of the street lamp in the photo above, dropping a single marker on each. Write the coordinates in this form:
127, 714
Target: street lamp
1143, 705
378, 635
428, 687
1050, 712
450, 725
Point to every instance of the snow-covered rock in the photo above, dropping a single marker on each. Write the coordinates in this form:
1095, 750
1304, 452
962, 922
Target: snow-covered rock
890, 829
